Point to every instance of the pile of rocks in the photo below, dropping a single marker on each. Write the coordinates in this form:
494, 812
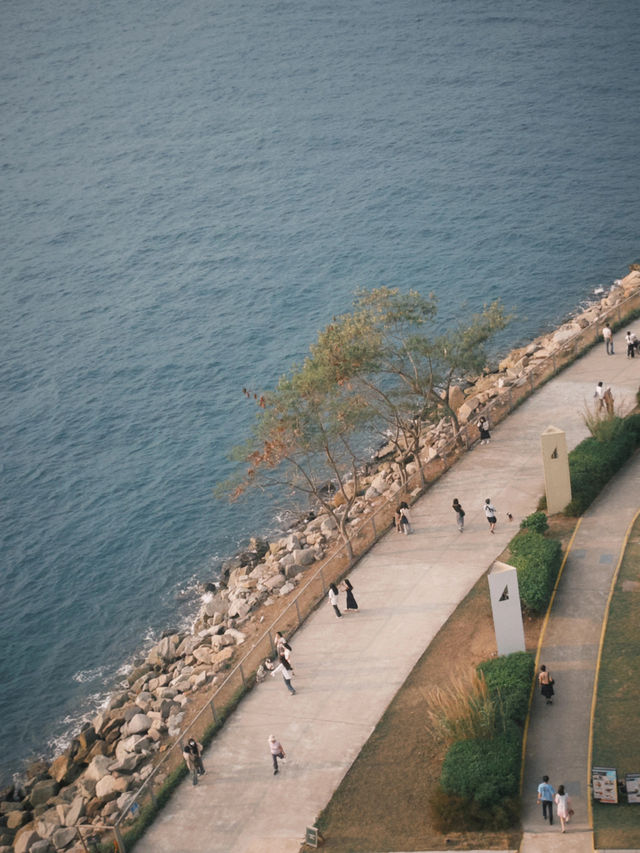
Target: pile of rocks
92, 780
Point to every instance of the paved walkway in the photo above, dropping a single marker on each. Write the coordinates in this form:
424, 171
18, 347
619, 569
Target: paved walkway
348, 670
558, 740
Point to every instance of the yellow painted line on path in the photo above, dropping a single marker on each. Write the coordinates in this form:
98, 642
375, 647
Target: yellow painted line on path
538, 651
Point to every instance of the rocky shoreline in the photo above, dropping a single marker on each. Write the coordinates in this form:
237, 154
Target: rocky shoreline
91, 782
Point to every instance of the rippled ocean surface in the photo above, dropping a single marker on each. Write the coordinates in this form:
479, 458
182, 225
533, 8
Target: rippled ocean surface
189, 192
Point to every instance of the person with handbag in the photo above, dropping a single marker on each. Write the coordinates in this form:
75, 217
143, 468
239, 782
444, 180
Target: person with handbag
546, 684
563, 806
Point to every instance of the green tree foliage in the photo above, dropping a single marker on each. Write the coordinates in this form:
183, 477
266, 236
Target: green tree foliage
386, 366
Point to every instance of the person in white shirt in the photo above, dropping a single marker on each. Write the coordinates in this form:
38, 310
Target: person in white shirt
599, 394
607, 334
277, 752
490, 512
631, 344
333, 598
287, 673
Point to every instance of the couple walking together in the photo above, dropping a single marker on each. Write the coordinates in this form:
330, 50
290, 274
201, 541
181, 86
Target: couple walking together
547, 796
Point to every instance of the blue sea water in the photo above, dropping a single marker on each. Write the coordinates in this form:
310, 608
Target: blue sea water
189, 192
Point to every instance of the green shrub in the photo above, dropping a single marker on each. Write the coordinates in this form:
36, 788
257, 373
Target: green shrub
538, 562
484, 771
595, 460
536, 521
450, 813
508, 680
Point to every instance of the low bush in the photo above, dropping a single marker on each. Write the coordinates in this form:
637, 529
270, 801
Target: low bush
595, 460
484, 771
538, 562
536, 521
455, 814
508, 681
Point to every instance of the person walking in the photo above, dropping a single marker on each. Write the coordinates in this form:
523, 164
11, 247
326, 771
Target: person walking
631, 344
352, 604
333, 598
546, 683
599, 395
287, 673
490, 512
283, 649
403, 520
192, 754
607, 335
277, 752
546, 794
563, 806
483, 426
457, 508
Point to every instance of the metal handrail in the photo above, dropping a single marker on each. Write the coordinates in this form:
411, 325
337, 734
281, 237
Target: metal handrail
453, 448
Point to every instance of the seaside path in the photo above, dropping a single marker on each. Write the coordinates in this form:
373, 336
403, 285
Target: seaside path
348, 669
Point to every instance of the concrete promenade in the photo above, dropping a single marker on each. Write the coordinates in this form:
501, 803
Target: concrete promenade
348, 669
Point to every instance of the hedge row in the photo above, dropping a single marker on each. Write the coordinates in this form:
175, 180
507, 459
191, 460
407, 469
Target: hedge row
538, 562
509, 679
596, 459
480, 777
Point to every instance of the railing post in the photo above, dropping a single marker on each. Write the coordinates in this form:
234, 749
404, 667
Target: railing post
324, 586
244, 680
532, 386
120, 842
510, 400
213, 711
298, 612
373, 524
553, 359
81, 837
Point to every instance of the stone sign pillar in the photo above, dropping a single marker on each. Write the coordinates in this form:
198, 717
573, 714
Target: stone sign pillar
505, 605
555, 461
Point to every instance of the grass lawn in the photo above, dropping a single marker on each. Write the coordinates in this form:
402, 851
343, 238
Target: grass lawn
616, 742
383, 801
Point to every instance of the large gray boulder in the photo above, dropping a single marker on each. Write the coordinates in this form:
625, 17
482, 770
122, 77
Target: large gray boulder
43, 791
164, 652
304, 556
76, 811
25, 839
109, 785
98, 768
42, 846
274, 582
138, 724
64, 836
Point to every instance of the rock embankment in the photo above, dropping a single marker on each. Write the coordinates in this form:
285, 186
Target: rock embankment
93, 779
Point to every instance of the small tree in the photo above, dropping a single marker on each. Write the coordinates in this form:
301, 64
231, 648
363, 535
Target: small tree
304, 439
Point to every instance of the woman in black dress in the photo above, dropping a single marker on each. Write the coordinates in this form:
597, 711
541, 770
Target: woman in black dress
485, 435
352, 604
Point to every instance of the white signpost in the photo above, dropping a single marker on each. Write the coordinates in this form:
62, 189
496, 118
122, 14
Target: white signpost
555, 461
505, 605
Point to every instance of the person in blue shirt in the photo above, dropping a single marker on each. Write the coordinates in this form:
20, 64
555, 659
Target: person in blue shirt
546, 793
